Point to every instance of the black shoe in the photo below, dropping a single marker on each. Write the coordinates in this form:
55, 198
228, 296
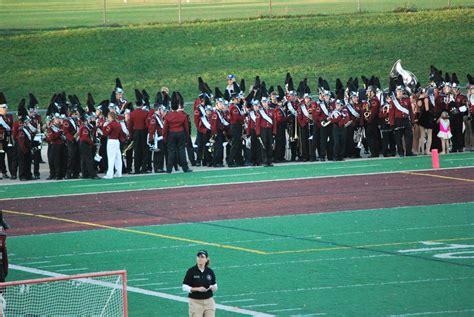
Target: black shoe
22, 179
218, 165
58, 178
232, 165
188, 170
411, 154
50, 178
5, 175
269, 165
198, 164
193, 163
248, 164
322, 159
13, 177
36, 177
95, 177
168, 172
146, 172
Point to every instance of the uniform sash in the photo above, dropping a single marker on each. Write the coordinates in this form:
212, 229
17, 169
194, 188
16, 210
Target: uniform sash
265, 116
352, 111
305, 111
398, 106
252, 116
4, 124
324, 108
221, 118
291, 108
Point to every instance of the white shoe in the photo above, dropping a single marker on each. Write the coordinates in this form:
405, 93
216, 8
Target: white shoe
107, 177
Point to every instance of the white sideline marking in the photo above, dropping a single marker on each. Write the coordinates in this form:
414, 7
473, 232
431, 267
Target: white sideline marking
145, 292
167, 288
149, 284
448, 247
101, 184
232, 183
435, 312
308, 315
136, 279
351, 166
260, 305
233, 175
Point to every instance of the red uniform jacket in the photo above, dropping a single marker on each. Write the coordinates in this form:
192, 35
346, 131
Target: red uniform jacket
85, 134
216, 123
70, 128
374, 108
280, 115
303, 120
394, 113
342, 119
138, 120
15, 129
54, 135
113, 130
24, 142
156, 124
319, 115
175, 121
235, 115
9, 121
460, 101
252, 124
262, 123
356, 122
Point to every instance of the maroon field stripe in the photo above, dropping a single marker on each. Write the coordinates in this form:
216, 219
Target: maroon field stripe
197, 204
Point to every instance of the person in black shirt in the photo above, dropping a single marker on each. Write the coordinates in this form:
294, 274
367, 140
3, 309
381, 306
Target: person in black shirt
200, 284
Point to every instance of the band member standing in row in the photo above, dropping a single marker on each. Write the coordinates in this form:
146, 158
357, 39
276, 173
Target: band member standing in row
175, 133
24, 136
237, 118
339, 118
6, 143
87, 133
371, 116
266, 129
304, 118
401, 118
113, 130
36, 143
137, 129
155, 139
281, 119
56, 148
71, 131
218, 126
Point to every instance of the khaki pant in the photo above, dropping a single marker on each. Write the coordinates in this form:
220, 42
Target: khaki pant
202, 307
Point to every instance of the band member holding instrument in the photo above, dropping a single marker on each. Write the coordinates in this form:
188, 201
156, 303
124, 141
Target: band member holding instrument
304, 119
266, 129
357, 121
6, 142
155, 139
71, 131
137, 129
281, 118
322, 116
457, 113
87, 133
24, 137
371, 116
237, 118
339, 118
218, 126
401, 118
36, 143
55, 138
113, 130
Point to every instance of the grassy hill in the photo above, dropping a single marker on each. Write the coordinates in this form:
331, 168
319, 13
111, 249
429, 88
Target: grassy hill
150, 56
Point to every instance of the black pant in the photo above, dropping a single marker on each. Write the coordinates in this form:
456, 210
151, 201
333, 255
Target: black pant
350, 148
456, 130
139, 150
159, 158
316, 142
339, 135
218, 153
190, 150
280, 142
304, 139
372, 135
267, 139
24, 163
388, 140
6, 152
14, 160
73, 159
87, 160
403, 129
36, 158
176, 150
293, 135
55, 156
235, 154
255, 148
327, 142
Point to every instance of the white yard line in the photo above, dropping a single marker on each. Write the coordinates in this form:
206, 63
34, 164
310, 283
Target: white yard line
136, 279
233, 183
73, 270
37, 262
351, 166
55, 265
283, 310
237, 300
147, 292
149, 284
260, 305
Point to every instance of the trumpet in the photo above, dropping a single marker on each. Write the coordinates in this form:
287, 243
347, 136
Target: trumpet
358, 136
211, 143
128, 148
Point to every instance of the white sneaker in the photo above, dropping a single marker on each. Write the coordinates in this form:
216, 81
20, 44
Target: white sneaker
107, 177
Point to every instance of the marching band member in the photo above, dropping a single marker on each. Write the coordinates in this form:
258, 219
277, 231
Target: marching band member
137, 129
218, 126
202, 121
458, 112
175, 133
255, 145
237, 117
339, 118
155, 139
401, 118
426, 120
37, 141
6, 143
304, 119
356, 118
266, 129
71, 131
371, 115
388, 138
281, 119
469, 134
113, 130
24, 136
189, 143
322, 116
87, 132
55, 138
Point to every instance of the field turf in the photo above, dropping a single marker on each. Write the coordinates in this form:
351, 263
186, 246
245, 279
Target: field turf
151, 56
305, 240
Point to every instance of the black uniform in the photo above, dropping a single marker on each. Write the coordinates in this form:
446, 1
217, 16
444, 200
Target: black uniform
195, 278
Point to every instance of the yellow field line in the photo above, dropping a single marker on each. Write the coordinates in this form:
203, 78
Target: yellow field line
440, 176
98, 225
365, 246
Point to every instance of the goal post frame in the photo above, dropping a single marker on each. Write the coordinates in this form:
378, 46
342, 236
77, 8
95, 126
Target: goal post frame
123, 273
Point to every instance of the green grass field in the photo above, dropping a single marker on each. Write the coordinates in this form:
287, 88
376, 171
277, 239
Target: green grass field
361, 263
31, 14
89, 59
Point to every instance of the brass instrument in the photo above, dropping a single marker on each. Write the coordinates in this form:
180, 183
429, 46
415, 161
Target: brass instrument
366, 109
154, 147
128, 148
210, 144
409, 79
358, 136
385, 110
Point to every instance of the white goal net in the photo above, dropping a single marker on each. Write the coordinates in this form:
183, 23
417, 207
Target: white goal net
94, 294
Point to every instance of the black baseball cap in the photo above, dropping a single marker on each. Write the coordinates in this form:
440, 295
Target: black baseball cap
202, 252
